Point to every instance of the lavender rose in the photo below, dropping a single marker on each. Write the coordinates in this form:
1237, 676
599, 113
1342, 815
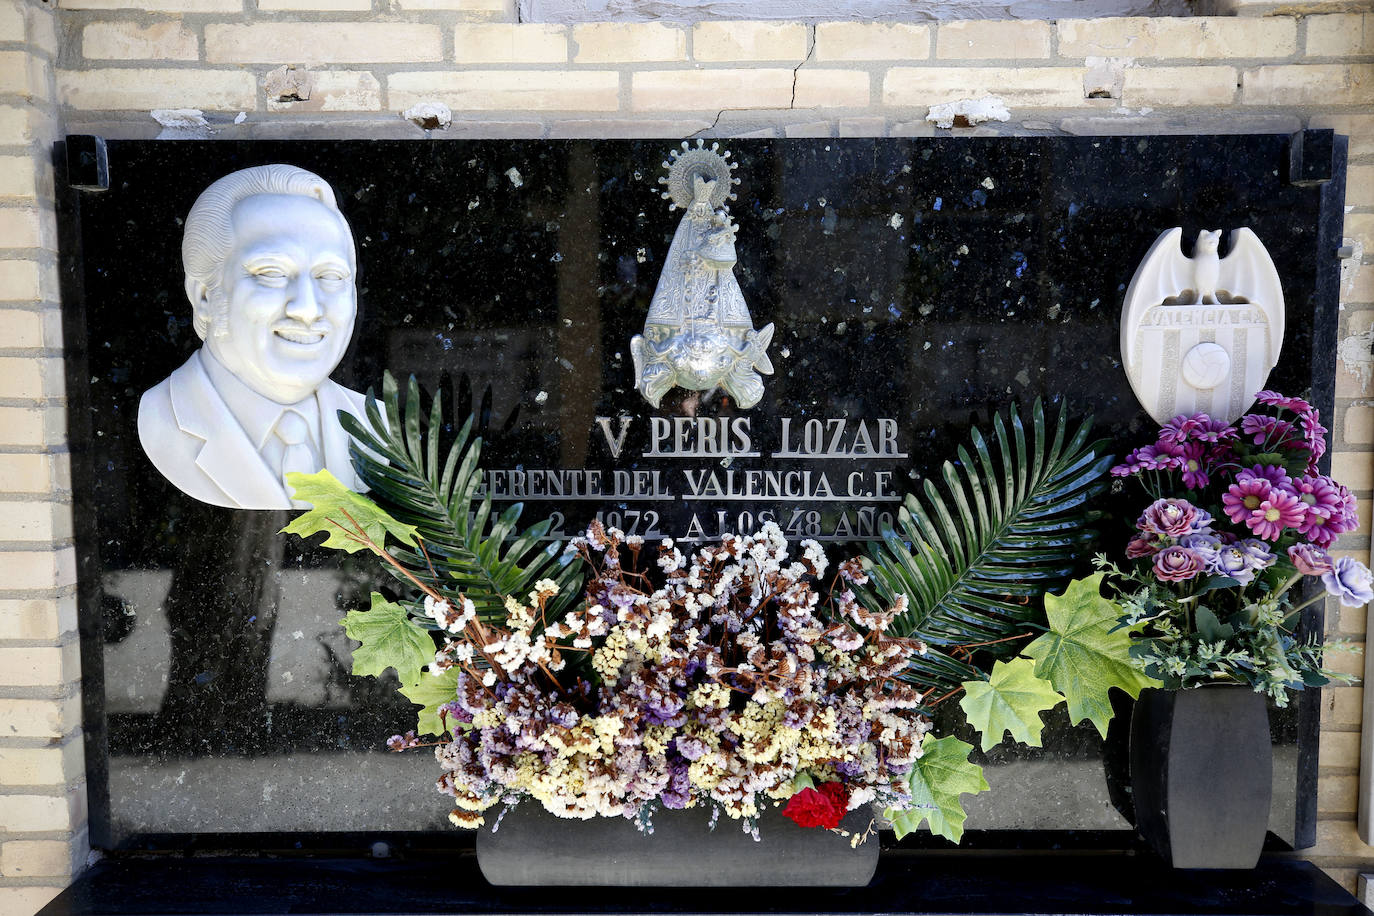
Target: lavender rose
1177, 564
1171, 518
1350, 581
1309, 559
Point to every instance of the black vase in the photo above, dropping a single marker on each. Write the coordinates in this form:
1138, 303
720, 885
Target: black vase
1202, 774
534, 848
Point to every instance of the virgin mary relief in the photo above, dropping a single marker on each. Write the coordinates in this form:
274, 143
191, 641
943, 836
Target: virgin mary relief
699, 334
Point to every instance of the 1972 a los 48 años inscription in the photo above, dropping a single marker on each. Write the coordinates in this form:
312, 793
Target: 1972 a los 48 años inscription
836, 480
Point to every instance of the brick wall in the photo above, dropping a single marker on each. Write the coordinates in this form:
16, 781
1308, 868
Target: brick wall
42, 787
349, 68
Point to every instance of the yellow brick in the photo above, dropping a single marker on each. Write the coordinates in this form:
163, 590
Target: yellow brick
1341, 705
322, 43
20, 328
1034, 87
24, 473
157, 6
131, 41
475, 9
831, 89
45, 666
741, 41
1361, 226
711, 90
21, 426
498, 90
39, 719
1359, 424
36, 618
24, 125
510, 43
11, 21
37, 569
872, 41
1309, 84
969, 39
33, 813
336, 90
1354, 469
22, 280
328, 6
1339, 749
1338, 793
26, 899
143, 89
1359, 186
1339, 839
21, 377
32, 521
613, 42
1342, 35
17, 177
1169, 87
19, 228
41, 766
1187, 38
21, 73
36, 858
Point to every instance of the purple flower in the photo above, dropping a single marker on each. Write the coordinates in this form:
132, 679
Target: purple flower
1177, 564
1148, 458
1142, 545
1170, 518
1193, 468
1258, 552
1276, 475
1309, 560
1204, 543
1234, 563
1244, 496
1274, 399
1277, 511
1182, 427
1319, 494
1266, 429
1350, 581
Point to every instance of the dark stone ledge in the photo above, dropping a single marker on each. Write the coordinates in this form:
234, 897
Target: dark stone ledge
907, 882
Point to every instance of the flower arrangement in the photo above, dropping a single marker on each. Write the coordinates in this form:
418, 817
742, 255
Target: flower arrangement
614, 678
719, 688
1240, 515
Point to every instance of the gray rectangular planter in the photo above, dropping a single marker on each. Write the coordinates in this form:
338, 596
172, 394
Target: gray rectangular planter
532, 848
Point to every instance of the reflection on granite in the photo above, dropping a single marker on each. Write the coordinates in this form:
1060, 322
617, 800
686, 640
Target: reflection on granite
922, 283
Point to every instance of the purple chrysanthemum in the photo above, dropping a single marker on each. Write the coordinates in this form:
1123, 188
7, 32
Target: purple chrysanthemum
1277, 511
1244, 497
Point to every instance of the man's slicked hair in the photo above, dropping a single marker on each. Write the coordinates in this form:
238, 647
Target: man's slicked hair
210, 225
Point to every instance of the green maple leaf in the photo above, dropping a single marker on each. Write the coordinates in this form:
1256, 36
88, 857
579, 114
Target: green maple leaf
937, 779
390, 639
430, 692
338, 511
1011, 700
1082, 656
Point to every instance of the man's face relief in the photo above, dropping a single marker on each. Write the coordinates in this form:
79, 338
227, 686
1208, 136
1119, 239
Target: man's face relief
291, 301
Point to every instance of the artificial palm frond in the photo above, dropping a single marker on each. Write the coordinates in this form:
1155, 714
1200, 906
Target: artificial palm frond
467, 548
972, 562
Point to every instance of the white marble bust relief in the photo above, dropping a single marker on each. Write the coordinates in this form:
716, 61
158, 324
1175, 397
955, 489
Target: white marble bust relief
270, 265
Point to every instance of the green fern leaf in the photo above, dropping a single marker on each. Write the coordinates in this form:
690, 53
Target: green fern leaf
467, 547
1010, 524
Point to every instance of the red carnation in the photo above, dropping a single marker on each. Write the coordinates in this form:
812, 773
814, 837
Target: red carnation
825, 807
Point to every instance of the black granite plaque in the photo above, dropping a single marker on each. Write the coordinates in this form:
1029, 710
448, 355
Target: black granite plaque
916, 287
